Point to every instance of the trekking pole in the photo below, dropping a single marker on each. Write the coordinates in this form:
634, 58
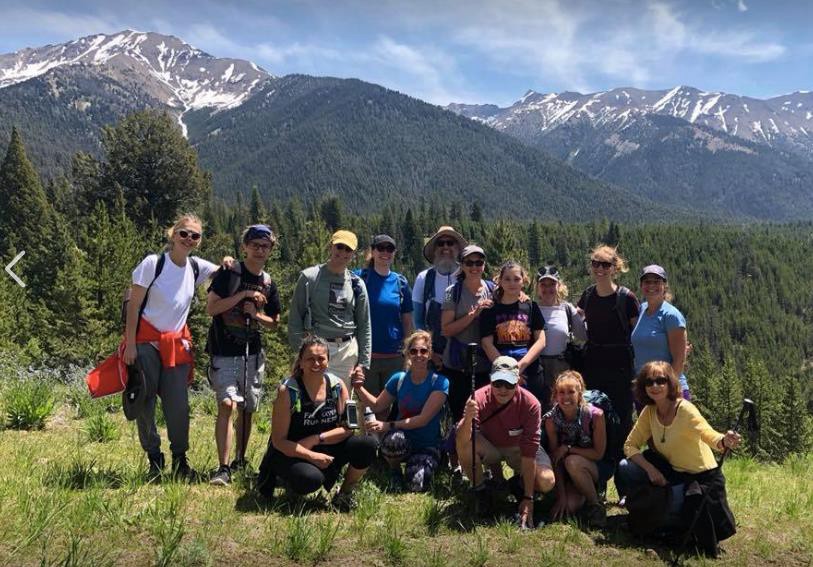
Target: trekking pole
471, 363
749, 409
242, 450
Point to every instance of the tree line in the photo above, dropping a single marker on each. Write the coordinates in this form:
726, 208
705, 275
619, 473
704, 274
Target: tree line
745, 290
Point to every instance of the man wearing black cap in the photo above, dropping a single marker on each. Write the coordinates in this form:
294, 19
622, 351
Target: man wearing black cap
241, 300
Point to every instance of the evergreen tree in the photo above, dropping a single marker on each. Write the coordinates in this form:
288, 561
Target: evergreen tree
331, 212
257, 210
476, 214
153, 165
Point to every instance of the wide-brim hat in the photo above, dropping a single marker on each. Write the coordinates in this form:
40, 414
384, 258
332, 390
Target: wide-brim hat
442, 231
134, 396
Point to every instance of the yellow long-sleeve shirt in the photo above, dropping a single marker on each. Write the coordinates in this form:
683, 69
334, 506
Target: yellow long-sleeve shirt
687, 441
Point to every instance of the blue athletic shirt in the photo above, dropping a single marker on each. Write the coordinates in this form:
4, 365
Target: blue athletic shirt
386, 307
411, 399
649, 338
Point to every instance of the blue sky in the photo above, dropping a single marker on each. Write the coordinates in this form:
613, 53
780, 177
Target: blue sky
475, 51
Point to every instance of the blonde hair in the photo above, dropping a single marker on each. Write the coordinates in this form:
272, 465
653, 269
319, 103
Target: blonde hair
426, 336
185, 218
572, 377
561, 290
616, 259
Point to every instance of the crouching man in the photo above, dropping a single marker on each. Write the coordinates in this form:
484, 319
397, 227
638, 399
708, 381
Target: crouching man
507, 420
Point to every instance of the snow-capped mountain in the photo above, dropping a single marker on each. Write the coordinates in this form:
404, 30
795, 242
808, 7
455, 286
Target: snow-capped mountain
166, 68
784, 122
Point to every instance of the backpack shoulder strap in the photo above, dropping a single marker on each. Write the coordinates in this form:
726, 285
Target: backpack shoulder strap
355, 285
457, 291
334, 384
490, 285
589, 292
429, 286
293, 394
401, 376
159, 267
195, 268
621, 308
569, 313
235, 278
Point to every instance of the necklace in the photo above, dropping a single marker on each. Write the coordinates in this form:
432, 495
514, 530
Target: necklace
663, 426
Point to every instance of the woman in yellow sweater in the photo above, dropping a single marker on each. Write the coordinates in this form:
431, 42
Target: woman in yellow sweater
680, 444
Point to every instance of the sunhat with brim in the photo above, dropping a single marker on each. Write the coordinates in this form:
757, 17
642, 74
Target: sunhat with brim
653, 270
429, 247
134, 396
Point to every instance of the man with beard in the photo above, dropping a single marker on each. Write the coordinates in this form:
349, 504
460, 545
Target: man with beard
441, 250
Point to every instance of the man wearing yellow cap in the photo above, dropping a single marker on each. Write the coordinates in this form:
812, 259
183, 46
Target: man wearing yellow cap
331, 302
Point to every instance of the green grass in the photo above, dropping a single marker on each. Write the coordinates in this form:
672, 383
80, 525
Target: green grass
68, 501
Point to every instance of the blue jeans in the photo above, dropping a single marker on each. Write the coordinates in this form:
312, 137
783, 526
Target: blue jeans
628, 474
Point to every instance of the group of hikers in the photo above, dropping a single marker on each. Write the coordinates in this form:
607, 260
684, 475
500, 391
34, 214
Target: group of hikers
532, 381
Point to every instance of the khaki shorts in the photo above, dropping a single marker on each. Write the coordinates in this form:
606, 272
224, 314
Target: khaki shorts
491, 455
343, 359
226, 379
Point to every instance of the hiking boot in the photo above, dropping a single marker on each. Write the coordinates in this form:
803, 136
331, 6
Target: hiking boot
596, 515
238, 464
343, 501
395, 482
156, 461
181, 469
222, 476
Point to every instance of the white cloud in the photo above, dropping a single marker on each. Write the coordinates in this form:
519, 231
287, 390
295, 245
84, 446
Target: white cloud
741, 6
33, 22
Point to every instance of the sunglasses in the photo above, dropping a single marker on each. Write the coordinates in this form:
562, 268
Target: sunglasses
385, 248
447, 243
421, 350
343, 247
601, 264
472, 263
189, 234
503, 385
659, 380
259, 247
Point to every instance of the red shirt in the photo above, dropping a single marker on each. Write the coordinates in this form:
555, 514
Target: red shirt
517, 425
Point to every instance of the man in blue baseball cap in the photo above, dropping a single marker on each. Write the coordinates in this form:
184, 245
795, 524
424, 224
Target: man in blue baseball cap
242, 300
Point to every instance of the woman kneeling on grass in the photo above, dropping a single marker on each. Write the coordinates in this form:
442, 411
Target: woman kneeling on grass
577, 435
309, 445
679, 456
415, 437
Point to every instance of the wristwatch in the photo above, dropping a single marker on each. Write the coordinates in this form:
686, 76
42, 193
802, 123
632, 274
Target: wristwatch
321, 438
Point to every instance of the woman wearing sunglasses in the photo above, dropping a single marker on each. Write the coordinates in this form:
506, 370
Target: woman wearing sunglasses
660, 333
610, 311
562, 320
157, 336
390, 312
680, 448
414, 437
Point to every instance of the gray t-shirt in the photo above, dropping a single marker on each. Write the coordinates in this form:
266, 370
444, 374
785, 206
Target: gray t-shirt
556, 332
471, 334
335, 312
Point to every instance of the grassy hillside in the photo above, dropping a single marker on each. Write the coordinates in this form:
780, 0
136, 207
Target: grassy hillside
70, 500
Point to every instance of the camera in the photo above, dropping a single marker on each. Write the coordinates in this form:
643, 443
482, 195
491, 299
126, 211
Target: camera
351, 412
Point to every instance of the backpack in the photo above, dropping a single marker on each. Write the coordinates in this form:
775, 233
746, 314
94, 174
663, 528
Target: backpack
615, 441
334, 390
311, 276
574, 351
159, 267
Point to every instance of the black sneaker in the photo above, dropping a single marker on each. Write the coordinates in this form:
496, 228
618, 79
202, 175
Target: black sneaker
596, 515
156, 461
343, 501
181, 468
222, 476
238, 464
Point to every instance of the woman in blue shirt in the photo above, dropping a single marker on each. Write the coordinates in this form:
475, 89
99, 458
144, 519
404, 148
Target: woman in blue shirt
660, 333
414, 437
390, 312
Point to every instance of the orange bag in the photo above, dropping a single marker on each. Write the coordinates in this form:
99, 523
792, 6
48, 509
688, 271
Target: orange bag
109, 377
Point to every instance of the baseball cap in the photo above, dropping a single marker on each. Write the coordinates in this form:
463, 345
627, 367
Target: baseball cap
655, 270
258, 232
472, 249
345, 237
547, 272
382, 239
505, 368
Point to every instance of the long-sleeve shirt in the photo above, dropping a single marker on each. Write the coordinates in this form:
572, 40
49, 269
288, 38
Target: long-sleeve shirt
335, 311
686, 443
518, 425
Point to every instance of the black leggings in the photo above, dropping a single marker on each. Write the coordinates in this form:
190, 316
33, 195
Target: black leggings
304, 477
460, 389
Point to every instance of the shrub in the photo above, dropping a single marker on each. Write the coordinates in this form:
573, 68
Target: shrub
28, 404
100, 428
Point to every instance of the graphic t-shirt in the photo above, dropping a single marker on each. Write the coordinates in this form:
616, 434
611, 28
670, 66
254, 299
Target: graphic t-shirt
512, 326
171, 295
389, 298
411, 398
310, 418
227, 333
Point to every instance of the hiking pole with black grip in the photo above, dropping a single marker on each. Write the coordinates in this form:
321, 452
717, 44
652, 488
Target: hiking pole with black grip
471, 366
747, 411
241, 456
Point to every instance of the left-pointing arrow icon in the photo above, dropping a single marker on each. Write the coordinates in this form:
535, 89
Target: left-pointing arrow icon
10, 265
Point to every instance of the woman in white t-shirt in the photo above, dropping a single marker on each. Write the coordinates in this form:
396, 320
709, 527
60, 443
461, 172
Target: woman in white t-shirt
158, 341
551, 292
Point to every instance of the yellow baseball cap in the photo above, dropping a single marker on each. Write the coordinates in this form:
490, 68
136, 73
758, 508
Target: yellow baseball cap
345, 237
